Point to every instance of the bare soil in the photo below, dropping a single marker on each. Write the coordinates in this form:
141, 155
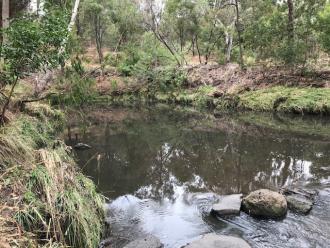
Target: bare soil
231, 79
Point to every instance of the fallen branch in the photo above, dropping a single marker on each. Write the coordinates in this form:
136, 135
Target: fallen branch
22, 103
38, 99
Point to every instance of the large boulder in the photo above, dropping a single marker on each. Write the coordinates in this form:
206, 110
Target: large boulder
213, 240
149, 241
228, 205
265, 203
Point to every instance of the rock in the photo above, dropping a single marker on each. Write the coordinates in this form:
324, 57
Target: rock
82, 146
228, 205
309, 194
149, 241
213, 240
265, 203
325, 168
300, 200
299, 204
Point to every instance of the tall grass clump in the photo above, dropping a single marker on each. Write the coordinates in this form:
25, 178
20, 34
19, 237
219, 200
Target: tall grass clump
60, 204
56, 202
74, 89
28, 132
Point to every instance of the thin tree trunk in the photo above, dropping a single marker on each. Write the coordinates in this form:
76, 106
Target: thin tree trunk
5, 106
229, 45
74, 15
238, 28
164, 42
198, 51
98, 37
5, 17
290, 20
71, 24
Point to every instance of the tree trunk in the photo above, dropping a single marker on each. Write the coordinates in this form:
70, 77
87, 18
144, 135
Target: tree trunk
5, 106
98, 37
238, 28
193, 46
290, 20
229, 46
5, 17
198, 51
74, 15
71, 24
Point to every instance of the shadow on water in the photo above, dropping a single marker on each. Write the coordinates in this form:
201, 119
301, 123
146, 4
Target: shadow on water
152, 164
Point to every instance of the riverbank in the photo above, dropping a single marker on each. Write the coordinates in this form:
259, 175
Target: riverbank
45, 199
217, 87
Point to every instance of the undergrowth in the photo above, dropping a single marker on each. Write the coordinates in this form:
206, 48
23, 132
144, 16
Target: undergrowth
56, 202
74, 89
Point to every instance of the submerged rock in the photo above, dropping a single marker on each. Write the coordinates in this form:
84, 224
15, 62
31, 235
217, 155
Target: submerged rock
82, 146
265, 203
299, 204
149, 241
300, 200
307, 193
213, 240
228, 205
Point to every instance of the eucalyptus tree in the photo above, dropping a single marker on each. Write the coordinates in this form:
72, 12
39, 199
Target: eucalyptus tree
282, 31
127, 20
324, 27
97, 14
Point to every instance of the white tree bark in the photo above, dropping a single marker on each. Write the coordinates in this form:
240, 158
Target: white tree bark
229, 45
5, 13
71, 23
36, 7
74, 15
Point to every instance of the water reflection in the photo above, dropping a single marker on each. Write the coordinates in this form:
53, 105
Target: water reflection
150, 156
152, 163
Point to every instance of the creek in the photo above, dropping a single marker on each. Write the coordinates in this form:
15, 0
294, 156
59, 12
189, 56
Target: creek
160, 167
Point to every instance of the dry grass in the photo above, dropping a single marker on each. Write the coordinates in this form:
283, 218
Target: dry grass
44, 197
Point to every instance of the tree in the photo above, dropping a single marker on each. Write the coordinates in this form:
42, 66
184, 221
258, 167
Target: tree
97, 12
324, 27
32, 44
281, 32
290, 20
5, 16
153, 22
239, 32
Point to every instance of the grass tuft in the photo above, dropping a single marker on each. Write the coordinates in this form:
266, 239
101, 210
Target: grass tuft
56, 202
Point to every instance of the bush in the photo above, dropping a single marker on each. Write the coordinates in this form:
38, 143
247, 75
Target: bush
139, 59
77, 90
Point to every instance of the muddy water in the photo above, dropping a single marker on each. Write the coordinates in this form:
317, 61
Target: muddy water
161, 168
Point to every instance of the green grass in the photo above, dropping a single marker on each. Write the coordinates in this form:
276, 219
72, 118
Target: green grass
57, 203
288, 99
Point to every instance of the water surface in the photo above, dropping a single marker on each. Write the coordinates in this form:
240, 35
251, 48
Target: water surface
162, 169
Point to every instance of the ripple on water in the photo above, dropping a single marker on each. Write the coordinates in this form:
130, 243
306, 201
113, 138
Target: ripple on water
179, 221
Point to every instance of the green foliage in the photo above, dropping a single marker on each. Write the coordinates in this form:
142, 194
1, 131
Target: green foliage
33, 44
166, 79
139, 61
324, 27
74, 89
267, 33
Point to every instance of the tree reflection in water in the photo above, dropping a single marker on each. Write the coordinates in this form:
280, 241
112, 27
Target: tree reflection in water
152, 154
